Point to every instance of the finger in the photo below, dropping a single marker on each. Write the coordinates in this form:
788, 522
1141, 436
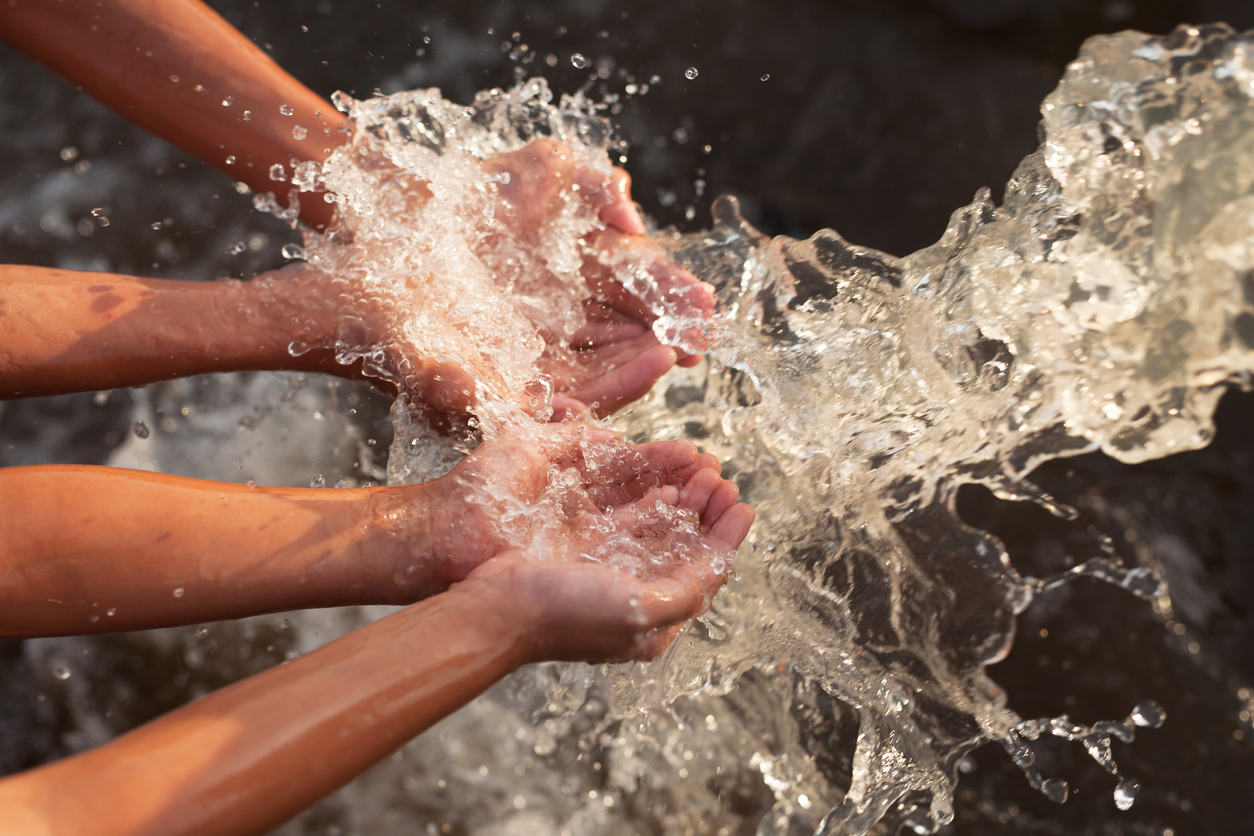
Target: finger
731, 528
723, 498
603, 333
567, 409
626, 383
630, 515
653, 644
696, 492
621, 212
668, 455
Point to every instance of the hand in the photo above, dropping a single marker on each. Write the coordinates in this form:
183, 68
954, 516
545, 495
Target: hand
495, 498
570, 609
615, 357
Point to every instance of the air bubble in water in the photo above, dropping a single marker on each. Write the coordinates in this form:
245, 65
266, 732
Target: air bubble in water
1148, 714
579, 62
286, 109
277, 174
1126, 792
299, 132
141, 429
690, 73
61, 672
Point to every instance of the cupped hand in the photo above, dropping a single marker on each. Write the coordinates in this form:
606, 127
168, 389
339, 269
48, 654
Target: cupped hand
567, 608
615, 358
490, 502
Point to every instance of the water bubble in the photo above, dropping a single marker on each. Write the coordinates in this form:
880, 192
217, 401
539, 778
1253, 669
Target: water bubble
1126, 792
156, 225
286, 109
579, 62
690, 73
199, 88
99, 215
178, 592
248, 115
1056, 790
318, 481
141, 430
299, 132
236, 248
201, 632
766, 77
61, 672
293, 251
228, 101
1148, 714
174, 78
277, 173
112, 611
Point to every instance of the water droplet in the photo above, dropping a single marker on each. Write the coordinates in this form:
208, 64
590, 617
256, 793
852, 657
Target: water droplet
112, 611
99, 215
1148, 714
69, 153
1056, 790
178, 592
248, 115
199, 88
299, 132
295, 251
156, 225
286, 109
1126, 792
277, 174
201, 632
141, 429
690, 73
228, 101
766, 76
61, 672
318, 481
236, 248
230, 160
174, 78
579, 62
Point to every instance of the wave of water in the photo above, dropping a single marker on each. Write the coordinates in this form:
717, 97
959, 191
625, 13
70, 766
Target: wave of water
840, 678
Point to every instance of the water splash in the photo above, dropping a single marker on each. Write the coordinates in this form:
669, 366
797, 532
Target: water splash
1103, 306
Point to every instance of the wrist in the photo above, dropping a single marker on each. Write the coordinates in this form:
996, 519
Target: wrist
398, 525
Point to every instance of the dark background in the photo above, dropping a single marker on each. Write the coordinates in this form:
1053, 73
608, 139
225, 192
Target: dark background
877, 119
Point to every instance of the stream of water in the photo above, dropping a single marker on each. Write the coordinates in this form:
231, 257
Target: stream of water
840, 683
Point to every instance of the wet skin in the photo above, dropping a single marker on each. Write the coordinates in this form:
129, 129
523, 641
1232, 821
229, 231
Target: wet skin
86, 549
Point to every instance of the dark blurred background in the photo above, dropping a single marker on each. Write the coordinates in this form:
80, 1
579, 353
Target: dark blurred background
874, 117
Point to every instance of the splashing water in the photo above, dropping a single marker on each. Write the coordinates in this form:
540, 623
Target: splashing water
1103, 306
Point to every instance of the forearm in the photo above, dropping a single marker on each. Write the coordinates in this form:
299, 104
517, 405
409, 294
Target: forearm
249, 756
176, 68
69, 331
95, 549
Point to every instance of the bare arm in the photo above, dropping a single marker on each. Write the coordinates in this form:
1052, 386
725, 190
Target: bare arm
95, 549
70, 331
245, 758
128, 54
